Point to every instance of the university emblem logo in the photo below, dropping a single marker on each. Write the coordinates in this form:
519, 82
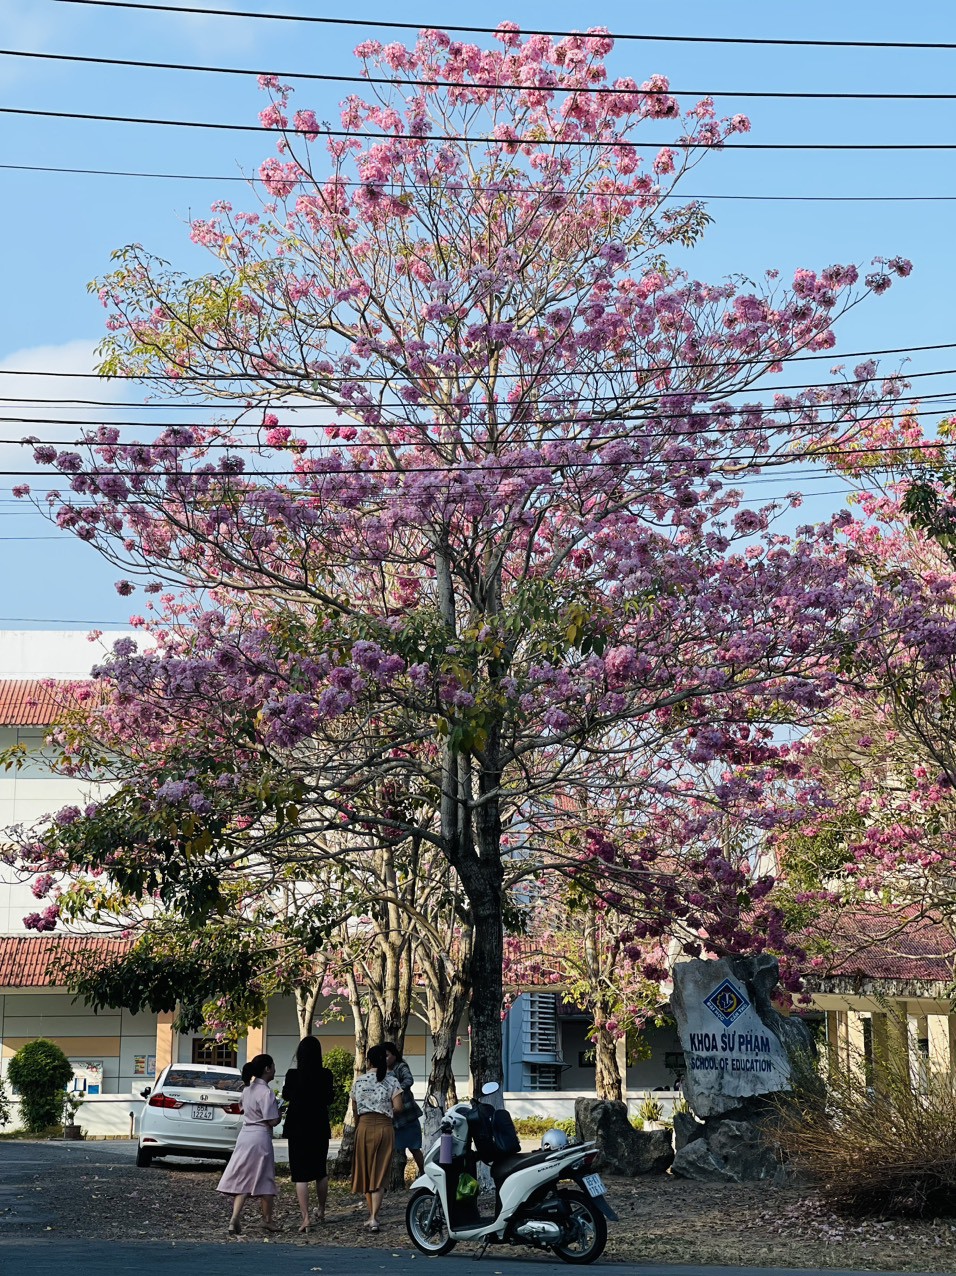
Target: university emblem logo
727, 1002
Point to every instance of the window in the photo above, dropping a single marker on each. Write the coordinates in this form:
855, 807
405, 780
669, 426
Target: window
210, 1051
185, 1078
541, 1024
542, 1076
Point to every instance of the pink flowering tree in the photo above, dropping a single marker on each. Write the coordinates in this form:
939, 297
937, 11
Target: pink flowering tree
477, 455
882, 835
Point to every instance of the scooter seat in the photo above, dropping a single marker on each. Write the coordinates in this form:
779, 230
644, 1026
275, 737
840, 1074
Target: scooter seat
508, 1165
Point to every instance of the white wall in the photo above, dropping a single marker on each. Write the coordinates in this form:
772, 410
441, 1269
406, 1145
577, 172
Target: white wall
29, 793
56, 653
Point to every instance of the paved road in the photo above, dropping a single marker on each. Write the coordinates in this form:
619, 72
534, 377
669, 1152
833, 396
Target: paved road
94, 1258
40, 1254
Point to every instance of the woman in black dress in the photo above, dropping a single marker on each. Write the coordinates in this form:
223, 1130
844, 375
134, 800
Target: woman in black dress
309, 1089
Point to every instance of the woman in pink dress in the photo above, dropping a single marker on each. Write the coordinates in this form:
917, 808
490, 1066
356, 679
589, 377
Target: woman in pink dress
252, 1167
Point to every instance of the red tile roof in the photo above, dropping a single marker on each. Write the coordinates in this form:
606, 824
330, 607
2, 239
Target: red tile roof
871, 943
30, 702
25, 960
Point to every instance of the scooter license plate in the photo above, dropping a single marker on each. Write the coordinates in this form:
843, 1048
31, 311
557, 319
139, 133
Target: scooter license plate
594, 1185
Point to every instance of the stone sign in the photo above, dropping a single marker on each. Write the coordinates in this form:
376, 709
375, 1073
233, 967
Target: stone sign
730, 1033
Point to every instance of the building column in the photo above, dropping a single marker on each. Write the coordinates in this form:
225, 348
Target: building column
941, 1031
256, 1040
891, 1044
165, 1040
834, 1028
621, 1051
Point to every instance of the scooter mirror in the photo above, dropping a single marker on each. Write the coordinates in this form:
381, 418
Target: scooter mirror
490, 1087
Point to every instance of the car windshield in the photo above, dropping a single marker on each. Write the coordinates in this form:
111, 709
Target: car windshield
198, 1079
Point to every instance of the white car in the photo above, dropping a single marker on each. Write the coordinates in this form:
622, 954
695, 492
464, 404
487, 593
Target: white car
192, 1110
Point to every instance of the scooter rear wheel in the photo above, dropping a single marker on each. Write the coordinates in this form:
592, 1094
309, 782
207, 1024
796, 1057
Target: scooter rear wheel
590, 1228
430, 1239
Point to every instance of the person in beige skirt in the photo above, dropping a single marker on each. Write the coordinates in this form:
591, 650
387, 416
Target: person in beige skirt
376, 1098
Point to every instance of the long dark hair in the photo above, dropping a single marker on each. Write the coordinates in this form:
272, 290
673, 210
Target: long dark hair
308, 1056
377, 1060
256, 1067
392, 1048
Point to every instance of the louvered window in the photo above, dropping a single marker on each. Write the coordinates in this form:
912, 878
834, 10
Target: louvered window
541, 1024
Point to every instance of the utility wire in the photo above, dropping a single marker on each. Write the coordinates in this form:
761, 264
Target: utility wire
220, 177
617, 35
600, 90
554, 374
486, 466
622, 143
660, 367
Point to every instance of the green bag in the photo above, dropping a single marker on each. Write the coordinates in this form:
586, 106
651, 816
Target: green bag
467, 1188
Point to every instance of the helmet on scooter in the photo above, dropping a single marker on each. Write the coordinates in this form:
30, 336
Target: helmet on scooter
555, 1141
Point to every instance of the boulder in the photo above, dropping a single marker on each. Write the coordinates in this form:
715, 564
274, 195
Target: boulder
696, 1161
740, 1147
626, 1151
687, 1129
738, 1049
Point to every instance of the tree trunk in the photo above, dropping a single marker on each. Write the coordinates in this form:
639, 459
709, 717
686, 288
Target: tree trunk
306, 1000
607, 1073
343, 1158
487, 993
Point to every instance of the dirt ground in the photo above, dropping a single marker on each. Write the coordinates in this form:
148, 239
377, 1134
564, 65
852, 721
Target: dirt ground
663, 1220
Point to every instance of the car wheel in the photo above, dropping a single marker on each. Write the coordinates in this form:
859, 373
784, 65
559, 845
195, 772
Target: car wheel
144, 1158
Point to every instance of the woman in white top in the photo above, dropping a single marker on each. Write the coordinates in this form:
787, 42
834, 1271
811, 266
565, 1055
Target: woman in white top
376, 1097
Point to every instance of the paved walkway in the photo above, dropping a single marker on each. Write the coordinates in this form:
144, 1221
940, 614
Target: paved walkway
96, 1258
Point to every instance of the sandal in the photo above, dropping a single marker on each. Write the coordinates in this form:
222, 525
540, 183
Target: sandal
234, 1229
373, 1227
305, 1227
272, 1227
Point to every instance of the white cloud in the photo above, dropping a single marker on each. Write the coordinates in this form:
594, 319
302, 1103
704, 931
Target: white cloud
46, 393
208, 33
27, 25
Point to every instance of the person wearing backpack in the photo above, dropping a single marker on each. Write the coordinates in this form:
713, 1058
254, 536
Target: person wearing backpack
407, 1122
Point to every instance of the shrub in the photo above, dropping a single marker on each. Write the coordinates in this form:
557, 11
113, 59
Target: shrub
650, 1110
536, 1126
4, 1105
870, 1144
341, 1063
39, 1073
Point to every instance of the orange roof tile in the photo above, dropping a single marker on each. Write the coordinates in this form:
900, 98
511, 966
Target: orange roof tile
25, 959
872, 942
30, 702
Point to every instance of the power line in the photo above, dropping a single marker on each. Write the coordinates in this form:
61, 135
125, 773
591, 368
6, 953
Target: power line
619, 143
466, 469
553, 374
221, 177
600, 90
617, 35
658, 367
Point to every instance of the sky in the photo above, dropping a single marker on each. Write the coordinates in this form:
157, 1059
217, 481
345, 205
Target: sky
57, 230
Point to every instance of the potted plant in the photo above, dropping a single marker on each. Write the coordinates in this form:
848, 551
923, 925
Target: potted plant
71, 1105
650, 1112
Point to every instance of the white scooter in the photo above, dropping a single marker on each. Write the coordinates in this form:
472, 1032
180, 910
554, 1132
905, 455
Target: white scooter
529, 1208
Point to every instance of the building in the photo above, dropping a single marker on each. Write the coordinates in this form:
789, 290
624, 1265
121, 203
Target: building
881, 985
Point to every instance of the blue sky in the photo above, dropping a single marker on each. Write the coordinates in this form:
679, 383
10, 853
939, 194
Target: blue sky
57, 230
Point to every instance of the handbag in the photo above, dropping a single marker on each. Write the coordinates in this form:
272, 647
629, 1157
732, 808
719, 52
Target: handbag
410, 1108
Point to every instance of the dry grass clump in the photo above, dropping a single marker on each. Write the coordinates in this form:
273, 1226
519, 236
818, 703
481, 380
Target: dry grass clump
873, 1144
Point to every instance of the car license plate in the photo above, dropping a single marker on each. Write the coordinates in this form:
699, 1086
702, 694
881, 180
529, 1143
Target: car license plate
594, 1185
204, 1112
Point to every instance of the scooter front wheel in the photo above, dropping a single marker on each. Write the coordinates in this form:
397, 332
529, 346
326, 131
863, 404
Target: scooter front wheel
429, 1237
588, 1229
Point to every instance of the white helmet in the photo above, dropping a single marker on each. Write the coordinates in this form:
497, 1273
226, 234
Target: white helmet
555, 1141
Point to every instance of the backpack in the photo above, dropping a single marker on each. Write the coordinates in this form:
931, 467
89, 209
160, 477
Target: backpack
493, 1133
